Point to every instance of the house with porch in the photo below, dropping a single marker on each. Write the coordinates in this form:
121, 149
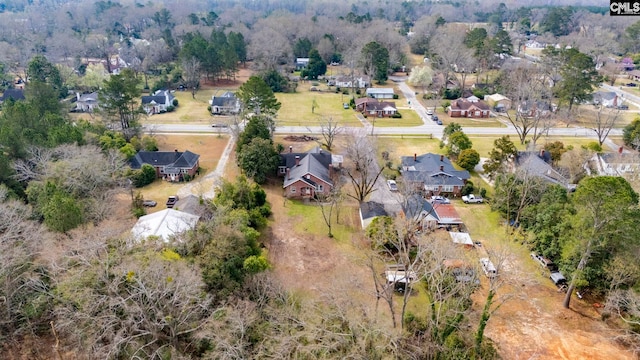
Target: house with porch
606, 98
87, 102
225, 104
615, 164
434, 174
307, 174
376, 108
533, 109
170, 165
471, 107
538, 164
352, 81
157, 103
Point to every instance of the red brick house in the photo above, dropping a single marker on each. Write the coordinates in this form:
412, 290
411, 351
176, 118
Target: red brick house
169, 165
306, 174
469, 108
374, 107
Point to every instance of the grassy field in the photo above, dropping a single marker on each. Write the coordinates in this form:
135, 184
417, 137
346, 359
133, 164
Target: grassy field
189, 110
409, 118
296, 109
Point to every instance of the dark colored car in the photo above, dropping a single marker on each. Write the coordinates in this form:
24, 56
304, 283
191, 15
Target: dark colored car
632, 84
623, 107
439, 122
149, 203
171, 201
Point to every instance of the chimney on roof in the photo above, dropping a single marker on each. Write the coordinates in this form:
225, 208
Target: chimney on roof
415, 157
288, 174
297, 160
331, 171
620, 150
441, 157
542, 154
176, 150
290, 149
441, 167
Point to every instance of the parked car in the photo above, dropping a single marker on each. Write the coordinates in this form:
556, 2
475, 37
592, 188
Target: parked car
623, 107
435, 118
171, 201
393, 186
345, 105
429, 112
149, 203
440, 199
632, 84
472, 199
439, 122
559, 280
544, 262
219, 125
488, 268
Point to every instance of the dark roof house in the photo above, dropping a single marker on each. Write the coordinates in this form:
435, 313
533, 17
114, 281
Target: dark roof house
225, 104
469, 107
370, 210
427, 215
539, 164
374, 107
434, 173
159, 102
306, 174
15, 94
169, 165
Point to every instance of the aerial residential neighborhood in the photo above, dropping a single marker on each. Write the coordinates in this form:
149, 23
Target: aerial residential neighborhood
319, 180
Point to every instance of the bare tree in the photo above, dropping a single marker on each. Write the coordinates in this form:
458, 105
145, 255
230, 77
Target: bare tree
364, 170
447, 43
605, 120
329, 129
528, 92
191, 72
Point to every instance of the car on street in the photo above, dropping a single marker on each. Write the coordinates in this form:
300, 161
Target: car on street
149, 203
435, 118
429, 112
219, 125
632, 84
439, 122
393, 186
623, 107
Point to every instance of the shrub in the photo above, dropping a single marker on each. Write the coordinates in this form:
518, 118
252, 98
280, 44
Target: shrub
468, 159
175, 102
467, 189
170, 108
187, 177
397, 115
396, 96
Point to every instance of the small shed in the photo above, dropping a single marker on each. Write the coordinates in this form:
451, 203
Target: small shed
370, 210
461, 238
164, 224
498, 101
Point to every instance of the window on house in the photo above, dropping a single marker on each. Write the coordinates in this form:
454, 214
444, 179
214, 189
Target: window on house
293, 190
447, 188
283, 169
320, 188
477, 113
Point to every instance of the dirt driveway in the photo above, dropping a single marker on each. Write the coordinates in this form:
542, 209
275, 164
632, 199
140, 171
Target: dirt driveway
531, 324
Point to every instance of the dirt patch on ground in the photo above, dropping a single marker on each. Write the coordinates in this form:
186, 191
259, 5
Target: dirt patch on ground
239, 78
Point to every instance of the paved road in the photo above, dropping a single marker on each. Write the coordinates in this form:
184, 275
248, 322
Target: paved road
427, 129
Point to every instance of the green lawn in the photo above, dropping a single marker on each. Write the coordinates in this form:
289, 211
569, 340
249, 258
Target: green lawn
296, 109
310, 221
189, 109
409, 118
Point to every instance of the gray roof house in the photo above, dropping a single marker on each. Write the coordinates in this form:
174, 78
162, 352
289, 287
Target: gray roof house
615, 163
380, 93
428, 215
306, 174
87, 102
605, 98
158, 102
169, 165
15, 94
539, 164
370, 210
225, 104
433, 173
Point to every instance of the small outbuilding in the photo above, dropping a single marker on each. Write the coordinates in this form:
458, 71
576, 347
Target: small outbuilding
370, 210
461, 238
164, 224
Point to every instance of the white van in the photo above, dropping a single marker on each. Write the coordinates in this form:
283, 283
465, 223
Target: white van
488, 268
